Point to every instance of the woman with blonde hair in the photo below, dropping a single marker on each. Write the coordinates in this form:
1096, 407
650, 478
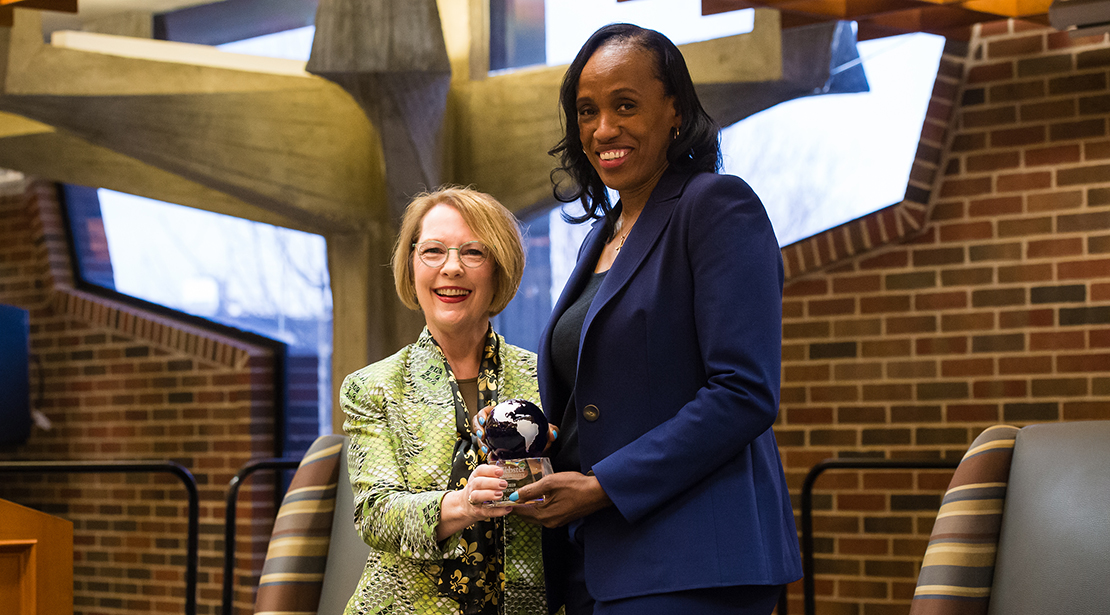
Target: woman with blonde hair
416, 469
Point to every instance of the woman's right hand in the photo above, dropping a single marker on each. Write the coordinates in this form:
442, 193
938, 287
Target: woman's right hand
484, 485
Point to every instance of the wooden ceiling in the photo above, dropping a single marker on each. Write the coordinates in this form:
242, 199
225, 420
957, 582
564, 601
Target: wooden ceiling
878, 18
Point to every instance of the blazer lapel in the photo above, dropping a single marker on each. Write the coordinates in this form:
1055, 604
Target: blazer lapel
639, 243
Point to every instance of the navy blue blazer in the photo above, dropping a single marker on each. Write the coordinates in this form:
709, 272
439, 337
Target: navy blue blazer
677, 389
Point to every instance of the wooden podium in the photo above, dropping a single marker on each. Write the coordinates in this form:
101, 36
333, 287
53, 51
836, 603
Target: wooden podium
36, 562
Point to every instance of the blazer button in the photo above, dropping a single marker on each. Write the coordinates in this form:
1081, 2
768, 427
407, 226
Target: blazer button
591, 413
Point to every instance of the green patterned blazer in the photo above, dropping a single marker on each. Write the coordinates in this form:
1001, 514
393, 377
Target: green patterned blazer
401, 420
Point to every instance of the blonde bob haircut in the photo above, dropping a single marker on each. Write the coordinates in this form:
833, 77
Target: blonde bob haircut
494, 225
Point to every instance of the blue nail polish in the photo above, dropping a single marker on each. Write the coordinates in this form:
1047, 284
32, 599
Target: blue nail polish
514, 497
554, 434
484, 449
481, 420
479, 433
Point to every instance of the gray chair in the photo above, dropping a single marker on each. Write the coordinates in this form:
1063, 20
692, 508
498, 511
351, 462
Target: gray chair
1025, 526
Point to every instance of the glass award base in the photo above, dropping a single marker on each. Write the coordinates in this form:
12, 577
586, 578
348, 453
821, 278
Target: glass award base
521, 472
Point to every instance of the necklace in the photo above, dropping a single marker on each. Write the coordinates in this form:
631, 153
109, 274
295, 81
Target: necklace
621, 244
620, 223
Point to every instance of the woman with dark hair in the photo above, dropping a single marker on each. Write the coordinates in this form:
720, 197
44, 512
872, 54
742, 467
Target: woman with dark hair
695, 145
660, 364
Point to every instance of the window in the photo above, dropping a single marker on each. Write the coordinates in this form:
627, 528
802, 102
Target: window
571, 22
295, 44
529, 32
820, 161
517, 34
250, 276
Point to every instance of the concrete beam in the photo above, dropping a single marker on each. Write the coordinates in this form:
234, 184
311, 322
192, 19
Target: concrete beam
260, 130
391, 58
61, 157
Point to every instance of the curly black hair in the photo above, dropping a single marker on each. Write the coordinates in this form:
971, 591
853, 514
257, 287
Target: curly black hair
697, 148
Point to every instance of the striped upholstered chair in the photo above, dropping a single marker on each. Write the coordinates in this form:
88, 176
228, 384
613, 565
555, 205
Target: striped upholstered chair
1024, 527
315, 557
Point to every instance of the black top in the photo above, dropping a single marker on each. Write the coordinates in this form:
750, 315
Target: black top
564, 359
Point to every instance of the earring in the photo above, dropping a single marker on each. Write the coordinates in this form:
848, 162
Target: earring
677, 131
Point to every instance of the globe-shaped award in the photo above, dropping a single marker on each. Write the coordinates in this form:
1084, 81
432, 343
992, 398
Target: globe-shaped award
515, 429
516, 434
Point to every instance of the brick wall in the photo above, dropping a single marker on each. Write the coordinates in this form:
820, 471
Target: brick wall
118, 383
995, 310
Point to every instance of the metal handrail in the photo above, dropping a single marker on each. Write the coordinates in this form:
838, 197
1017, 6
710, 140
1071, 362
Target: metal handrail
230, 512
134, 467
807, 504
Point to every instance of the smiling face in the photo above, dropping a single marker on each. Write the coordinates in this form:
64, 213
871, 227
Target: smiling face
455, 299
625, 119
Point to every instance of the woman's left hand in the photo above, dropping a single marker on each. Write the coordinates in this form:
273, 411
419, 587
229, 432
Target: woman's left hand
477, 424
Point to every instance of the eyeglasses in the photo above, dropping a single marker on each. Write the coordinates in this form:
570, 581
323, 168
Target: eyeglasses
434, 254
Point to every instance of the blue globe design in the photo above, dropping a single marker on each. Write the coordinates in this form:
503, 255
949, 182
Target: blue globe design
516, 429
